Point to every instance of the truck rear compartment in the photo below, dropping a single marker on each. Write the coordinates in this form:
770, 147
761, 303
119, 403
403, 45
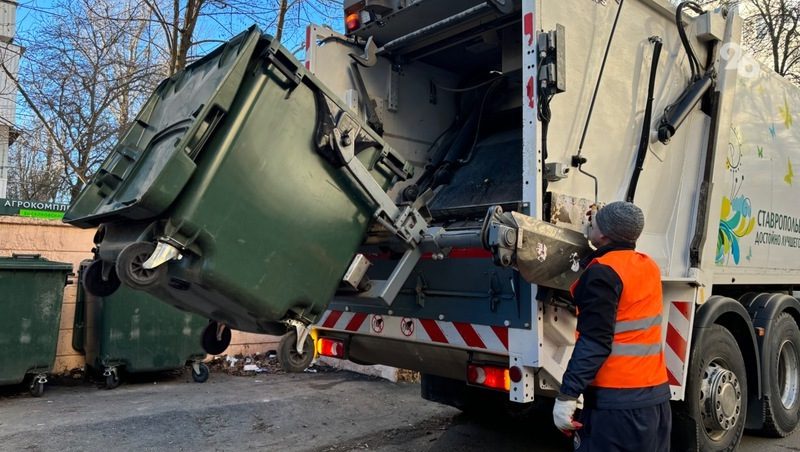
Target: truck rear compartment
466, 80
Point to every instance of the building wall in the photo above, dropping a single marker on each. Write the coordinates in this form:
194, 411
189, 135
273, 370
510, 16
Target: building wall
64, 243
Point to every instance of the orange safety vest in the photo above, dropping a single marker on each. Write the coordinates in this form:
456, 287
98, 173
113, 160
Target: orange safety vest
637, 355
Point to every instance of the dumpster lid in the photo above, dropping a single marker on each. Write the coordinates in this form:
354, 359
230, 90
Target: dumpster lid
149, 166
32, 262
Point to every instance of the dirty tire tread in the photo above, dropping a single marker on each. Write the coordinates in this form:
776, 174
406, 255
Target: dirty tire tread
772, 419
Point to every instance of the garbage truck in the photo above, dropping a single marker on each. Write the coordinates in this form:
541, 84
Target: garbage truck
415, 194
517, 113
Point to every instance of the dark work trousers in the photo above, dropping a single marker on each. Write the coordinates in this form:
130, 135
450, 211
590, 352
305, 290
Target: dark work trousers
635, 430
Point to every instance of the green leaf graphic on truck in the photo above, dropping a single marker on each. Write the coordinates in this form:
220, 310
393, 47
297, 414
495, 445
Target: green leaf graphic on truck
736, 221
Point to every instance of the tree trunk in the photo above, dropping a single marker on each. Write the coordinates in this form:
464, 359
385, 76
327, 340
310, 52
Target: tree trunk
284, 8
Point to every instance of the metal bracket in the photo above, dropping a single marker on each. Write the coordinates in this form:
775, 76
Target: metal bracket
356, 272
494, 292
387, 290
302, 333
393, 100
164, 252
420, 290
370, 55
408, 223
220, 329
373, 119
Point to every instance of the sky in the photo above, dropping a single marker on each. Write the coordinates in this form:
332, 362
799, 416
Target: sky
34, 13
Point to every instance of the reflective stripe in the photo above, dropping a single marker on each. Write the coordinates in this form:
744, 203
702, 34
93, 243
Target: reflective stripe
635, 325
635, 349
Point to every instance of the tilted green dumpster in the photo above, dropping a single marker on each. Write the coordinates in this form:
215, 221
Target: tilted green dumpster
131, 331
232, 168
31, 294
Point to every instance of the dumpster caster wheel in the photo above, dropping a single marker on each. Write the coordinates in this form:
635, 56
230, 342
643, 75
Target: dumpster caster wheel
200, 373
290, 359
130, 267
112, 378
94, 283
37, 386
216, 338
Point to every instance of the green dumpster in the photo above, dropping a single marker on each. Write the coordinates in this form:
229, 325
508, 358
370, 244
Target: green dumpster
31, 293
131, 331
231, 170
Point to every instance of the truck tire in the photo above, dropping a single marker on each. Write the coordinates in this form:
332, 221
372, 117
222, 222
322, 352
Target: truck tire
716, 390
782, 403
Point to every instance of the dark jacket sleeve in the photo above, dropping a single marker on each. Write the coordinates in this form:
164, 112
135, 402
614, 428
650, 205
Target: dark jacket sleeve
597, 297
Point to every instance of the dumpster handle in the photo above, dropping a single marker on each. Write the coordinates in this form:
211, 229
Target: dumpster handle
176, 126
289, 68
26, 255
204, 131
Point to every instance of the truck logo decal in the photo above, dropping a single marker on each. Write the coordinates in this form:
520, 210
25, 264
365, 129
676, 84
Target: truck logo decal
736, 221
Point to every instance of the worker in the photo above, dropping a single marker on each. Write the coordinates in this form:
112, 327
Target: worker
618, 361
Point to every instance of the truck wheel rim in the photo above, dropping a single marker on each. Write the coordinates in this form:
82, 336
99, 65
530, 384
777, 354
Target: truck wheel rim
720, 400
788, 374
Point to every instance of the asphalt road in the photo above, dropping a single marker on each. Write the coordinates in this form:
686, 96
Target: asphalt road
319, 412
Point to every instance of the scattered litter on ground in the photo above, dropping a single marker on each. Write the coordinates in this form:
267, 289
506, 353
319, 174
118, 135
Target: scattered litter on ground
257, 364
408, 376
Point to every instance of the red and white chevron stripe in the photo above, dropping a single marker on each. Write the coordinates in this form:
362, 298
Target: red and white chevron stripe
454, 334
679, 331
348, 321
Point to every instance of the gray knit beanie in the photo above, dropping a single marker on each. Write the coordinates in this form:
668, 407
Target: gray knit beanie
620, 221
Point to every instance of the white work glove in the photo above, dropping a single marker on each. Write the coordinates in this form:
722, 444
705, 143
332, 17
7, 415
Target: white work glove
563, 411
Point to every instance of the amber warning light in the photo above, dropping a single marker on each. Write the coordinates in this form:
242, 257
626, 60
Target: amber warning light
352, 21
489, 376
